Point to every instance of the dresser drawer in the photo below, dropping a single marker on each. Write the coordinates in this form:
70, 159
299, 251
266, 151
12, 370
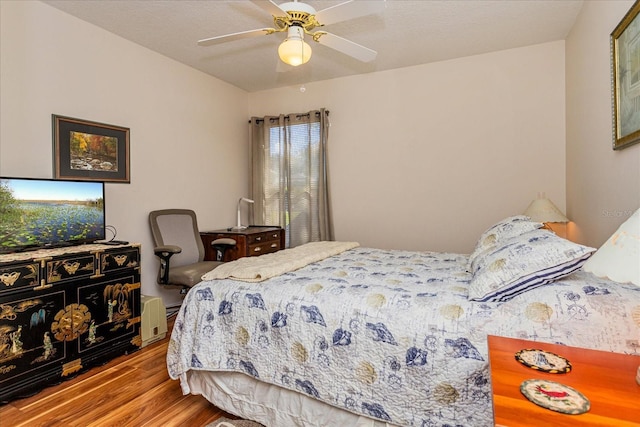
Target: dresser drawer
19, 276
119, 259
61, 269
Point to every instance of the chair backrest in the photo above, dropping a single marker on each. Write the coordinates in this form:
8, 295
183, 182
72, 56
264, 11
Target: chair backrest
178, 227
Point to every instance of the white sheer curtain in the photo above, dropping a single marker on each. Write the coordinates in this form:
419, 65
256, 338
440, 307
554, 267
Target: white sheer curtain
289, 176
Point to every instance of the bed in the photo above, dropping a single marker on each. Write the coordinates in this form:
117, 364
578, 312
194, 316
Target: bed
334, 334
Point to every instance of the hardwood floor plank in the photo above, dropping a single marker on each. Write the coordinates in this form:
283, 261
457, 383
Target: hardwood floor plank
71, 400
132, 390
148, 406
189, 411
79, 389
112, 397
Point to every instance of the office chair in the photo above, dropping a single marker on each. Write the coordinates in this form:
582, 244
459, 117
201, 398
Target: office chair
178, 244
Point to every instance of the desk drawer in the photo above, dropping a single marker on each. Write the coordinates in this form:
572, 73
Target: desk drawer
253, 241
267, 236
264, 248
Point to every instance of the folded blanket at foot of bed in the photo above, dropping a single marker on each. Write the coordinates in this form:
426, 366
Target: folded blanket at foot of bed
257, 269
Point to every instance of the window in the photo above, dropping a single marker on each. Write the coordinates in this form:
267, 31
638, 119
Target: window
289, 175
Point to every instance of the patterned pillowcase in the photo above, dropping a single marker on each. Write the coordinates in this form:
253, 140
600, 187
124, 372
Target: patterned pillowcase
499, 232
525, 262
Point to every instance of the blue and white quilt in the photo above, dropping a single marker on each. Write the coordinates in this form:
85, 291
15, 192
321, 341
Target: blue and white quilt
389, 334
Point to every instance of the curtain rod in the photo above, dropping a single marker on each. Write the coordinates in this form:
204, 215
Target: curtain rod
288, 116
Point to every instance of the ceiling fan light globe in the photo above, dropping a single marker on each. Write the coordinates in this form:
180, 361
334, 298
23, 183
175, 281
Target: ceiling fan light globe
294, 51
294, 6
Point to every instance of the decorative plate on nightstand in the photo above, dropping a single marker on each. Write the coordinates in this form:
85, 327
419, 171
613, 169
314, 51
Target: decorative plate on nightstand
555, 396
544, 361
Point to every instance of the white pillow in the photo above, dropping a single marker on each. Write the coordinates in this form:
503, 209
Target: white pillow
525, 262
499, 232
619, 258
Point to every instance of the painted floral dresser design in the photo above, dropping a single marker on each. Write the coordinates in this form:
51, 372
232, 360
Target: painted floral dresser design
65, 310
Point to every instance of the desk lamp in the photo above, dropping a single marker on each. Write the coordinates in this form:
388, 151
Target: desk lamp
239, 225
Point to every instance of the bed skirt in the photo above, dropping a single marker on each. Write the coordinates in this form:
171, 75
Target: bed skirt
273, 406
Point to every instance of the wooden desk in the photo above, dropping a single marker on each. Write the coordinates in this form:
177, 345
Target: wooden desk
252, 241
607, 379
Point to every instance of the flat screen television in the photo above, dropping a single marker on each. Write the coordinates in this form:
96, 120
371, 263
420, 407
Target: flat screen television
41, 213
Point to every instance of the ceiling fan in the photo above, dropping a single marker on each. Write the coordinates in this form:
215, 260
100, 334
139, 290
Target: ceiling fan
298, 19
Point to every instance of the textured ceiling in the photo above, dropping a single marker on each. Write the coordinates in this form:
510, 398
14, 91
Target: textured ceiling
406, 33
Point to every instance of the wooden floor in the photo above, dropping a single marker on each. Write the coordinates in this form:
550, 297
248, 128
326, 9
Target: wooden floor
133, 390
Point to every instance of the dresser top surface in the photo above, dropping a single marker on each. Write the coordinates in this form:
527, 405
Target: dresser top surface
51, 252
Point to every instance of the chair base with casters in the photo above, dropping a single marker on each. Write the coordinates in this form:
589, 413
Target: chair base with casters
178, 245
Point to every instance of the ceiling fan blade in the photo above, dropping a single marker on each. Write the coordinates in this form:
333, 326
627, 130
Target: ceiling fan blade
270, 7
349, 10
235, 36
347, 47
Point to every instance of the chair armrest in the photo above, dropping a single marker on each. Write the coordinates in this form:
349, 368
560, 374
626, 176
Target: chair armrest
164, 253
224, 241
221, 245
167, 251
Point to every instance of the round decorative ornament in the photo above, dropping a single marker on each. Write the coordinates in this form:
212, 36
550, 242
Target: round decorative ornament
555, 396
70, 323
544, 361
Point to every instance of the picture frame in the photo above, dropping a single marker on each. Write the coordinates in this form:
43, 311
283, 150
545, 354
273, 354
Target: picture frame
86, 150
625, 58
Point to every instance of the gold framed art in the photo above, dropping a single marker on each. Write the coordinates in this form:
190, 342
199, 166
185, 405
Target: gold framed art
84, 150
625, 59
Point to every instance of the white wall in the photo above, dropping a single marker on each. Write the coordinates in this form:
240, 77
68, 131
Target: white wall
188, 130
603, 185
427, 157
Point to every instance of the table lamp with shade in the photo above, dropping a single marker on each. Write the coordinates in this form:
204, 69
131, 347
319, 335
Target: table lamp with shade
543, 210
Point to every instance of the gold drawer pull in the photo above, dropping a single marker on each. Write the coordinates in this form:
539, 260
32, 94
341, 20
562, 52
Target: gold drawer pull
71, 267
257, 249
274, 245
275, 235
258, 239
9, 278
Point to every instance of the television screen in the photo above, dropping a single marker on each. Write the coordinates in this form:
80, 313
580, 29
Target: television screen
36, 213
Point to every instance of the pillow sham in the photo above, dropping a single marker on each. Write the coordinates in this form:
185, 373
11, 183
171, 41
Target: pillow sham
502, 230
523, 263
619, 258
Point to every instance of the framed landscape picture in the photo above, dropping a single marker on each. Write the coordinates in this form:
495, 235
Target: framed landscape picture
86, 150
625, 58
